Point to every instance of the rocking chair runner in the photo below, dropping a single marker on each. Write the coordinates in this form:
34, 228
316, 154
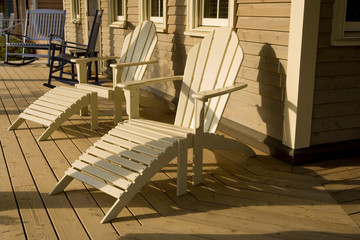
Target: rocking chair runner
64, 58
125, 159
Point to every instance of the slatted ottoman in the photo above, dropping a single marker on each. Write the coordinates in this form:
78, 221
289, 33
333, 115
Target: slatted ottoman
56, 106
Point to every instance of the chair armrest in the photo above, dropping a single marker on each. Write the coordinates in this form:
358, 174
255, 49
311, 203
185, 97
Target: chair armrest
139, 83
64, 46
85, 60
205, 95
122, 65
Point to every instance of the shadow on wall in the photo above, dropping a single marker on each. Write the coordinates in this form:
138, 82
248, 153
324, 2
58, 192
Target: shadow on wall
271, 79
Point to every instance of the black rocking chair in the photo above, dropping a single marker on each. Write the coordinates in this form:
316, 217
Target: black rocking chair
76, 50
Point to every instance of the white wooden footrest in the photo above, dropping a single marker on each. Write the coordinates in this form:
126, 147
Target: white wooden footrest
56, 106
125, 159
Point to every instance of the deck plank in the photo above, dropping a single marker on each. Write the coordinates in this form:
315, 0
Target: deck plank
240, 198
10, 221
35, 218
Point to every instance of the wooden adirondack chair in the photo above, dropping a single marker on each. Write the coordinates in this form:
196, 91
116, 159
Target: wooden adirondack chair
125, 159
55, 107
136, 53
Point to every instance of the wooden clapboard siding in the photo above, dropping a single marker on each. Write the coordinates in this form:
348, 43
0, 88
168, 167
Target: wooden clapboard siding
336, 111
54, 4
75, 32
263, 28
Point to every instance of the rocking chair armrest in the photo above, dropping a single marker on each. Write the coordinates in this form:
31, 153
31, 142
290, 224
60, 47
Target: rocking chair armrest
139, 83
129, 64
205, 95
54, 45
90, 59
7, 34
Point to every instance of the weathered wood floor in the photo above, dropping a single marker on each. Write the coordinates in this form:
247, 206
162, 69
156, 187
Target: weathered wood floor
258, 198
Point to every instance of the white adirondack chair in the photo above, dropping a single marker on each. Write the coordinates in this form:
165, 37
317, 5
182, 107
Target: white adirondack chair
56, 106
137, 50
125, 159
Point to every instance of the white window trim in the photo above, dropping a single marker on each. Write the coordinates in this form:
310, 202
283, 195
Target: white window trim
339, 25
144, 14
194, 28
114, 20
75, 18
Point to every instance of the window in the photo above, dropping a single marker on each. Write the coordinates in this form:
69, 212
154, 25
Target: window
75, 11
346, 23
215, 12
205, 15
154, 10
117, 13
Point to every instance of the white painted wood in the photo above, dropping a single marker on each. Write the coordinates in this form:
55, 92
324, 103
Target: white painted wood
136, 149
49, 105
40, 114
54, 108
136, 52
124, 152
97, 172
112, 191
110, 167
131, 146
182, 157
34, 119
138, 139
128, 163
300, 78
44, 109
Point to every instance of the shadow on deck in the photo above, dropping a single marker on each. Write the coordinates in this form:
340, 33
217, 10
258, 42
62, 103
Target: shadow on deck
240, 198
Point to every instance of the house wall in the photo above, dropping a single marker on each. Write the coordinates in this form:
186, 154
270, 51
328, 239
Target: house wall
75, 32
53, 4
336, 112
263, 29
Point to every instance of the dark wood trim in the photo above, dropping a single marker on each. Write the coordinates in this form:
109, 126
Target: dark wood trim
292, 157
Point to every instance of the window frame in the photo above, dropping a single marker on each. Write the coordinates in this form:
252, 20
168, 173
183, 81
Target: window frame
195, 26
145, 14
75, 11
115, 20
339, 26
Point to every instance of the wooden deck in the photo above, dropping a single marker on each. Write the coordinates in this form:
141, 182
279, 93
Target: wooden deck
258, 198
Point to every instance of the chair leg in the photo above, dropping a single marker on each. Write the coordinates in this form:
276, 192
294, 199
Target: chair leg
61, 185
96, 71
6, 54
89, 71
181, 169
197, 161
118, 100
48, 84
61, 63
72, 71
23, 58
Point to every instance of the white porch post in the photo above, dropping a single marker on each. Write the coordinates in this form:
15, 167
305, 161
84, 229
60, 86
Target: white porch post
304, 23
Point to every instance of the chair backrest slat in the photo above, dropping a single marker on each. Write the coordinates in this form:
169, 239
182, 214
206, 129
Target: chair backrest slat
94, 34
41, 23
138, 46
214, 63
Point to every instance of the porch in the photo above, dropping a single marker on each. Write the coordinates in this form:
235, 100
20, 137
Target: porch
240, 198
